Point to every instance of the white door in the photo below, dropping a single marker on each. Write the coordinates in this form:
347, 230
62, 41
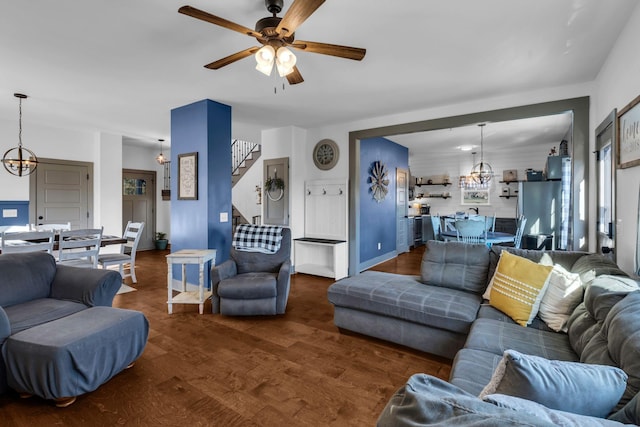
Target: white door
605, 181
402, 190
138, 203
63, 192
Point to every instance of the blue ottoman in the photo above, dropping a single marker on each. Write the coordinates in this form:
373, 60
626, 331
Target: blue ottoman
75, 354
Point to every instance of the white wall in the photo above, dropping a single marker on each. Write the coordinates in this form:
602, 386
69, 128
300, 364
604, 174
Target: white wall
144, 158
617, 84
108, 149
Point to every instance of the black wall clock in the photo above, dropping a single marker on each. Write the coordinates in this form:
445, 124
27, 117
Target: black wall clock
325, 154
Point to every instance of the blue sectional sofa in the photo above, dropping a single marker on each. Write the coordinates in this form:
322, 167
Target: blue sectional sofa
59, 335
443, 312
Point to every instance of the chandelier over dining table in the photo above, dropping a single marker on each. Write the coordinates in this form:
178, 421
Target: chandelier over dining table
19, 161
482, 172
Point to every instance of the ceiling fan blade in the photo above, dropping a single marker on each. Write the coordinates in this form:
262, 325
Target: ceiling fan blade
232, 58
204, 16
347, 52
295, 77
297, 13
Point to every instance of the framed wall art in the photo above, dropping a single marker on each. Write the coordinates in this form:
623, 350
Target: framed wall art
475, 197
188, 176
628, 143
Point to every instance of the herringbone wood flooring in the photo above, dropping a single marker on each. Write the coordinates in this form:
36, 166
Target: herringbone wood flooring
297, 369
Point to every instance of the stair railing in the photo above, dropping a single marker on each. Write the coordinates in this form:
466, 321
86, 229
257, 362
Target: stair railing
240, 150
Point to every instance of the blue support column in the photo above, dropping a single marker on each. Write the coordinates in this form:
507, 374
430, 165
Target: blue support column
203, 127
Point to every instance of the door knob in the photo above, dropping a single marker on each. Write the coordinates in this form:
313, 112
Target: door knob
40, 217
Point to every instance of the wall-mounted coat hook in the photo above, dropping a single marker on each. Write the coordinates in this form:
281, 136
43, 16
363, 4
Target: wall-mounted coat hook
324, 191
308, 192
340, 191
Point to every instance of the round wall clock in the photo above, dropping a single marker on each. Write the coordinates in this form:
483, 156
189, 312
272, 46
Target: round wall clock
325, 154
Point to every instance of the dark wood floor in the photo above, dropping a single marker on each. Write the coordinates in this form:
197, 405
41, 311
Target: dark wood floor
209, 370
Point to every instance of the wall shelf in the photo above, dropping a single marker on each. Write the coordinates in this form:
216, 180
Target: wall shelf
509, 196
433, 183
509, 182
436, 196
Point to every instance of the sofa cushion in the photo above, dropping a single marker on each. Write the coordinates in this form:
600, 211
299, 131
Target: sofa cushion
403, 297
496, 337
35, 268
562, 296
517, 287
629, 413
455, 265
36, 312
585, 389
472, 369
488, 312
618, 343
599, 264
249, 285
601, 294
544, 414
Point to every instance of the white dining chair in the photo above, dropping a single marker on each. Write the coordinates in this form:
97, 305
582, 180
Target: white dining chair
126, 258
79, 248
436, 223
27, 241
517, 241
471, 231
490, 223
51, 227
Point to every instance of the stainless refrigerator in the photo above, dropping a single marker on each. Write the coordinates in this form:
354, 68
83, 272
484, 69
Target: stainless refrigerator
541, 203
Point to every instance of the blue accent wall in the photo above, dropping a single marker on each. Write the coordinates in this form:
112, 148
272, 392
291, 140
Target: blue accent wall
378, 220
203, 127
22, 209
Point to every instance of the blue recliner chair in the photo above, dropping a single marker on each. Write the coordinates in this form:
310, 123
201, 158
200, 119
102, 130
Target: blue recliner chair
253, 283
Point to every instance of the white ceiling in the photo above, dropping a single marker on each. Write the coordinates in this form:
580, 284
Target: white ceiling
121, 66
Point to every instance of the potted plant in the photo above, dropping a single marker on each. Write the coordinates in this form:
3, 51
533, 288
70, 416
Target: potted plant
161, 241
273, 185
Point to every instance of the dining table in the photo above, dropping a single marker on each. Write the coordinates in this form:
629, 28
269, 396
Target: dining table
492, 237
106, 240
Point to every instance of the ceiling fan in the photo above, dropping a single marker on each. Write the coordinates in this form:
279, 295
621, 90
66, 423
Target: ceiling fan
276, 34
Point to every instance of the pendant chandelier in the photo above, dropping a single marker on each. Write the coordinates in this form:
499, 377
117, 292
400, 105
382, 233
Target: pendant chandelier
482, 172
160, 158
20, 161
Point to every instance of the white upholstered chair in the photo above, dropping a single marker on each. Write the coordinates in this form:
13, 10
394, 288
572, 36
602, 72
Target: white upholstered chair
126, 258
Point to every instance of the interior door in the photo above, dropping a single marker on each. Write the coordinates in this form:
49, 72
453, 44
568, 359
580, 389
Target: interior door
605, 181
139, 203
402, 191
63, 192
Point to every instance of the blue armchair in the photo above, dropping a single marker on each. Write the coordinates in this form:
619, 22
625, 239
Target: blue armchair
253, 283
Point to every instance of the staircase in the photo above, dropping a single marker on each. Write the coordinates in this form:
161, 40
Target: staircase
243, 155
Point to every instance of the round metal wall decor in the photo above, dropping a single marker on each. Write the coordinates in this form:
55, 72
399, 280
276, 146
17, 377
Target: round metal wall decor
379, 181
325, 154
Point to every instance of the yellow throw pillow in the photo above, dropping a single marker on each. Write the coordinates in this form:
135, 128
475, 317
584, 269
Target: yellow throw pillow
518, 287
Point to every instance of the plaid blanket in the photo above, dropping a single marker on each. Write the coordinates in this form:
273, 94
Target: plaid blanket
257, 238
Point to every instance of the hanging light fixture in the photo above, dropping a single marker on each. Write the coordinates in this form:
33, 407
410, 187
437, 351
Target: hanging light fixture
482, 172
160, 158
20, 161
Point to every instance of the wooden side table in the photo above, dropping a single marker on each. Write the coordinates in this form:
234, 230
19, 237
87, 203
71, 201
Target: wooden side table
184, 257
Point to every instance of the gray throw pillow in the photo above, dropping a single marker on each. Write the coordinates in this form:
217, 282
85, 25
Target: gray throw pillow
554, 416
575, 387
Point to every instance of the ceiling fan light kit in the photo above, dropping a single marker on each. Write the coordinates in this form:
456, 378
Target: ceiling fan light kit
276, 35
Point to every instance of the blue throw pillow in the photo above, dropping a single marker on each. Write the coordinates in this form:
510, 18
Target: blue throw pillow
575, 387
554, 416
